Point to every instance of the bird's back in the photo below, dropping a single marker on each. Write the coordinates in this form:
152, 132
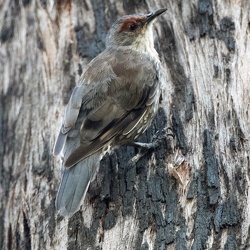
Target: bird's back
119, 94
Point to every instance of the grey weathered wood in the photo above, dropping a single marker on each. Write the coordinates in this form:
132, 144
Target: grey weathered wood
192, 192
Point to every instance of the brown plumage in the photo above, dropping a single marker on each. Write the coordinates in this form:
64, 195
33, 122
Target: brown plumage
113, 103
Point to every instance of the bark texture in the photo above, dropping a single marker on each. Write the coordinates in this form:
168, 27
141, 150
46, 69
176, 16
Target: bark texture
191, 192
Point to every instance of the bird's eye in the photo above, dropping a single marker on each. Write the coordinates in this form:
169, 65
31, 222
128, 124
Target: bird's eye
132, 27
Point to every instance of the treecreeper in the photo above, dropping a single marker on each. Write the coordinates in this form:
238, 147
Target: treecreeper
113, 103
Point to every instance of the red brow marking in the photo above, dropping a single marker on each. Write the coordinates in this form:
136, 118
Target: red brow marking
129, 21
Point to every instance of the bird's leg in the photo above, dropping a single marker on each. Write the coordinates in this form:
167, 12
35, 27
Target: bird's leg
157, 139
137, 157
145, 147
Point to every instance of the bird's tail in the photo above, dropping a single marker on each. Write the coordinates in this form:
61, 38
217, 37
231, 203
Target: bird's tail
74, 184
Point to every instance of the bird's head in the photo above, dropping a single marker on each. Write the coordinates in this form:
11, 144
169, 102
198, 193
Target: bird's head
133, 30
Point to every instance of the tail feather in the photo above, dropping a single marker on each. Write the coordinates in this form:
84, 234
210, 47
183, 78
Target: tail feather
59, 143
74, 185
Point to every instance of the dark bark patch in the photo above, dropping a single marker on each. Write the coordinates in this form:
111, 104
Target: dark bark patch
237, 139
240, 179
17, 238
179, 133
181, 241
190, 102
233, 144
7, 32
205, 18
43, 3
89, 45
212, 168
216, 71
9, 237
227, 27
160, 240
230, 213
86, 44
184, 97
106, 169
227, 74
142, 201
8, 26
27, 235
15, 7
154, 189
39, 42
26, 2
170, 233
171, 216
192, 191
79, 235
7, 138
67, 60
131, 6
227, 214
52, 219
100, 18
202, 226
211, 118
206, 24
217, 218
110, 220
231, 243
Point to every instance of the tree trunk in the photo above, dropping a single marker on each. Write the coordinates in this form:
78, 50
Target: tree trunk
191, 192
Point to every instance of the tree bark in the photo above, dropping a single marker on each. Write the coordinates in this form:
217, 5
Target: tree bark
191, 192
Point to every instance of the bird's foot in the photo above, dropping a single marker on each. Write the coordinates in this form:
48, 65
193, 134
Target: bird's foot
145, 147
157, 139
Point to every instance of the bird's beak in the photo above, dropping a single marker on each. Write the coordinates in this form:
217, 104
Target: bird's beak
151, 16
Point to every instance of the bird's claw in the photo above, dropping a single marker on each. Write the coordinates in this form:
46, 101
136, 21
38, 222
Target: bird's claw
156, 141
145, 147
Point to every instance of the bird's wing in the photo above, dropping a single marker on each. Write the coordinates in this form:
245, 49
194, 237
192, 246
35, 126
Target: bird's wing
70, 117
117, 89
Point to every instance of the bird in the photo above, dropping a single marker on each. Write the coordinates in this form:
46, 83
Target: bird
114, 101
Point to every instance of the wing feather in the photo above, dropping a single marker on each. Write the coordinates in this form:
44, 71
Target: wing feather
111, 104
